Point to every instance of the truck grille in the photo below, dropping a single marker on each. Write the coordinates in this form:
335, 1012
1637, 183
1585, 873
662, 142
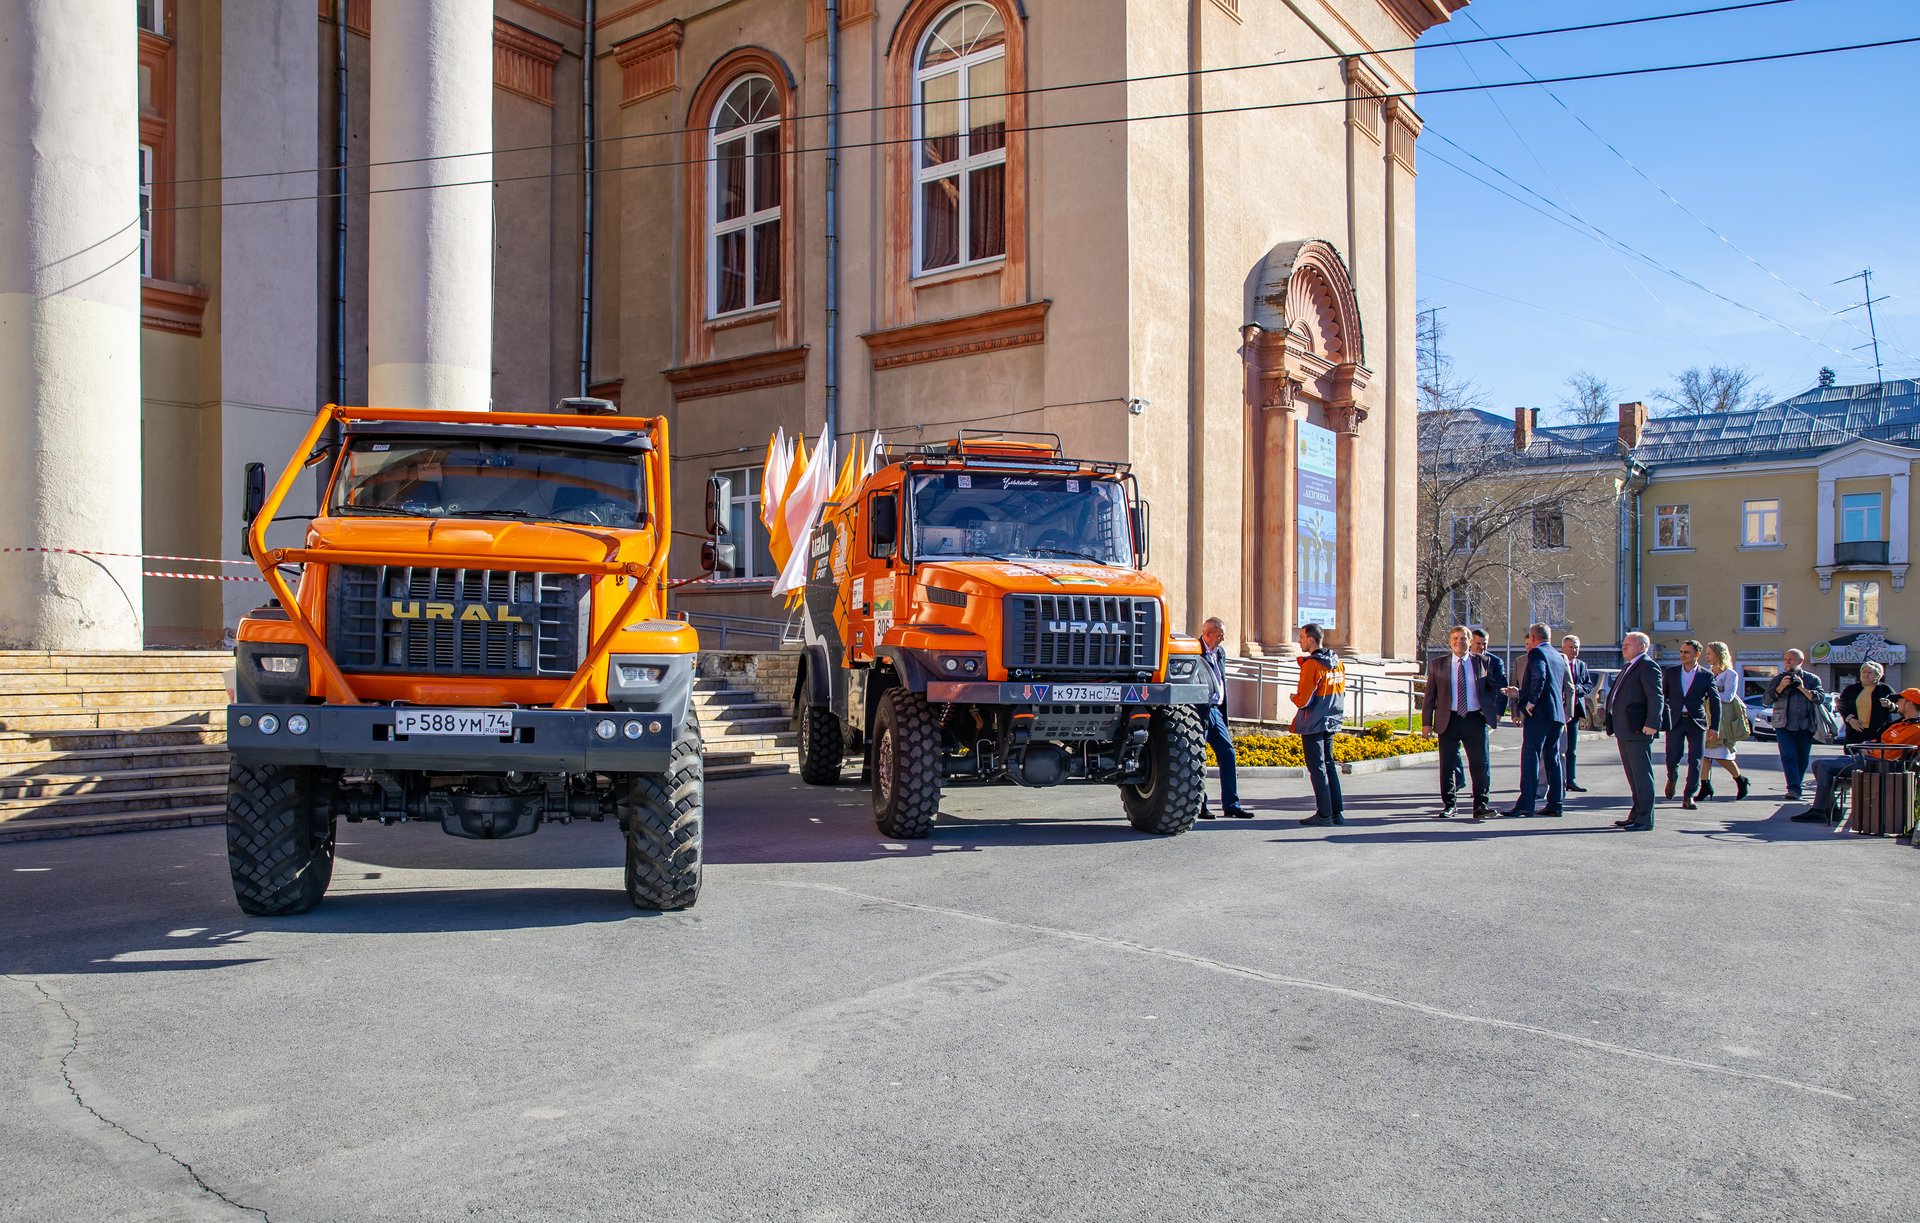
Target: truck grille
1082, 633
455, 621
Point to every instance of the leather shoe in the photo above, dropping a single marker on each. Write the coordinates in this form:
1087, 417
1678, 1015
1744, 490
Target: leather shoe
1481, 815
1813, 815
1740, 786
1621, 823
1687, 804
1636, 827
1516, 814
1239, 813
1576, 789
1317, 821
1206, 813
1552, 813
1671, 783
1446, 811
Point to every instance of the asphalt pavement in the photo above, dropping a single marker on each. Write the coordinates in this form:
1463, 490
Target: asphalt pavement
1036, 1014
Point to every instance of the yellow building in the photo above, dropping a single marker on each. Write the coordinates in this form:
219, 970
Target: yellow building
1786, 527
921, 216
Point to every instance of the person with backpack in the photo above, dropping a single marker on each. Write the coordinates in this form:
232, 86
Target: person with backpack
1734, 724
1322, 701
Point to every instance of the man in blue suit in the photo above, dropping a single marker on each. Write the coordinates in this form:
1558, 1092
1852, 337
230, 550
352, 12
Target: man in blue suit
1541, 700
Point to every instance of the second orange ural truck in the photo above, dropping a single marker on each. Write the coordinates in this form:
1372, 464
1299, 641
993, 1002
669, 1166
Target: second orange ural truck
978, 612
476, 636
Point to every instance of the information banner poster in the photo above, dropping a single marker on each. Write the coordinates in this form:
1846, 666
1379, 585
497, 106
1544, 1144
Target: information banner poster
1316, 565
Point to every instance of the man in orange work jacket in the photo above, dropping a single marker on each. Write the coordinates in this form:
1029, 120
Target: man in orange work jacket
1322, 701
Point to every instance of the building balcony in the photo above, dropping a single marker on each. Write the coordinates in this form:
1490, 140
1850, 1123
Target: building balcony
1859, 552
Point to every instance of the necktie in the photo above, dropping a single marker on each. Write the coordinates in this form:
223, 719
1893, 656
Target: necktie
1460, 686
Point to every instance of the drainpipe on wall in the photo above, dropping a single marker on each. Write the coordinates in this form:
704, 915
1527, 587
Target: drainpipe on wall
339, 223
587, 132
833, 221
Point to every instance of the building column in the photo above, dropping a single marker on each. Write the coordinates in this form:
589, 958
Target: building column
269, 240
430, 245
70, 325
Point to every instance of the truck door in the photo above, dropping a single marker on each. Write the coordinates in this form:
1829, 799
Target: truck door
871, 603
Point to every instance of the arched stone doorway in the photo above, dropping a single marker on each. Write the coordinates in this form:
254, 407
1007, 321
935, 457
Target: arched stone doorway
1305, 371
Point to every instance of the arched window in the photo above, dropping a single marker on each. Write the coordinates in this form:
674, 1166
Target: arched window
960, 139
744, 195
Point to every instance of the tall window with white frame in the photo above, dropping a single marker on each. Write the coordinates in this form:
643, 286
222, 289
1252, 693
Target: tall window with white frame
146, 210
1760, 605
1860, 518
753, 558
960, 140
1547, 604
743, 268
1670, 608
1760, 523
1860, 604
1673, 526
1468, 604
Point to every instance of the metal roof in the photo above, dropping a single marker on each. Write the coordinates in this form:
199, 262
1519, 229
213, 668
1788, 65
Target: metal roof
1802, 426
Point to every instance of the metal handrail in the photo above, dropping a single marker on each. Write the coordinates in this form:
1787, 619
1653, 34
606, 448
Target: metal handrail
1386, 696
717, 630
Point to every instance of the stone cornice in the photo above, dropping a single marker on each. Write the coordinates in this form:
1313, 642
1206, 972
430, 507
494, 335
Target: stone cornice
523, 62
650, 62
730, 375
167, 306
990, 331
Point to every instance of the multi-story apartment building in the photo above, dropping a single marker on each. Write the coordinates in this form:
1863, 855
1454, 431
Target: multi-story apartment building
1116, 220
1785, 527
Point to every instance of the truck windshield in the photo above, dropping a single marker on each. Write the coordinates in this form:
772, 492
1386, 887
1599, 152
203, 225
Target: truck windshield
476, 478
1027, 517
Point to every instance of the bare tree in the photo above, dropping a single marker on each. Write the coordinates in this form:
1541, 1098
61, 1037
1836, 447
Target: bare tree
1590, 399
1719, 388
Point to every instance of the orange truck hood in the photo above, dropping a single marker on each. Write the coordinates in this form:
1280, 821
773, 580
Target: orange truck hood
992, 579
473, 537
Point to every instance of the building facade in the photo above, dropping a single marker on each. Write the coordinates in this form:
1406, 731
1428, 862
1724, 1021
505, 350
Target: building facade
1085, 217
1786, 527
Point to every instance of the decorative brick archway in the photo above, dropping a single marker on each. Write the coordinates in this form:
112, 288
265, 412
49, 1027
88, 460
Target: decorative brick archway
1304, 350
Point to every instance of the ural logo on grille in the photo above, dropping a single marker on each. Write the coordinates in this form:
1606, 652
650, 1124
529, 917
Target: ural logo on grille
414, 609
1085, 626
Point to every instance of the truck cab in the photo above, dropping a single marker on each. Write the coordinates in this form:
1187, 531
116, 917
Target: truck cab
979, 611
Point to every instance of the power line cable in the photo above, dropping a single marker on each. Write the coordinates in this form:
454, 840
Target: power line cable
1648, 335
1607, 238
1668, 195
1027, 92
1068, 125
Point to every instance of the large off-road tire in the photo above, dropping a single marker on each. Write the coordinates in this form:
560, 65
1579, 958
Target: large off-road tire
664, 815
1169, 799
822, 747
279, 838
906, 766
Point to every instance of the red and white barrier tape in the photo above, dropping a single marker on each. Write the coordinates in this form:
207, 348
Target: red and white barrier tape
148, 556
152, 556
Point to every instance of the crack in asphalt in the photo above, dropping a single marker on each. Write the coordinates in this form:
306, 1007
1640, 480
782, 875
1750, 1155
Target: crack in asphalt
1227, 968
73, 1089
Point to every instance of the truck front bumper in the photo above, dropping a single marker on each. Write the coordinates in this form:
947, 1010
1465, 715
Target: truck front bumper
943, 692
543, 741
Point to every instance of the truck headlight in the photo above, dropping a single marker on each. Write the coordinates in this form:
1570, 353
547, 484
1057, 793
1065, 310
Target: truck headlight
1182, 667
280, 664
268, 724
639, 674
296, 724
959, 666
606, 729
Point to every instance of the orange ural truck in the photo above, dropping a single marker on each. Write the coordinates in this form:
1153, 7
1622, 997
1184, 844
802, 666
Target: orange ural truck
476, 636
978, 612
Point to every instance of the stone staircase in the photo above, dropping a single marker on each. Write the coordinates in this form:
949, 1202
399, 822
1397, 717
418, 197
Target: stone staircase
128, 741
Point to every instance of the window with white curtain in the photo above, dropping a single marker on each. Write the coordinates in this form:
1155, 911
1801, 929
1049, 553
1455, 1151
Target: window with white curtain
743, 268
960, 140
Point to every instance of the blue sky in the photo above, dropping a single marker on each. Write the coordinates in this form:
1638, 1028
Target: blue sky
1810, 166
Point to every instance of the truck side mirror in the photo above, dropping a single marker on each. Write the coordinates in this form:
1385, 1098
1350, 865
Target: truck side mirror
883, 531
717, 558
251, 501
719, 497
1140, 514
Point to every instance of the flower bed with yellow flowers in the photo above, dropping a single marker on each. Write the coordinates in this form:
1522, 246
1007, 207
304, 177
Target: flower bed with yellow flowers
1258, 748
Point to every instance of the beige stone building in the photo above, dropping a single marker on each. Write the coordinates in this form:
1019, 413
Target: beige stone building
1786, 527
1087, 217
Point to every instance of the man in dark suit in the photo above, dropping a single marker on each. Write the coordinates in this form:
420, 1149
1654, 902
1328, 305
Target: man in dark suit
1541, 701
1692, 707
1635, 712
1496, 677
1584, 681
1455, 708
1213, 717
